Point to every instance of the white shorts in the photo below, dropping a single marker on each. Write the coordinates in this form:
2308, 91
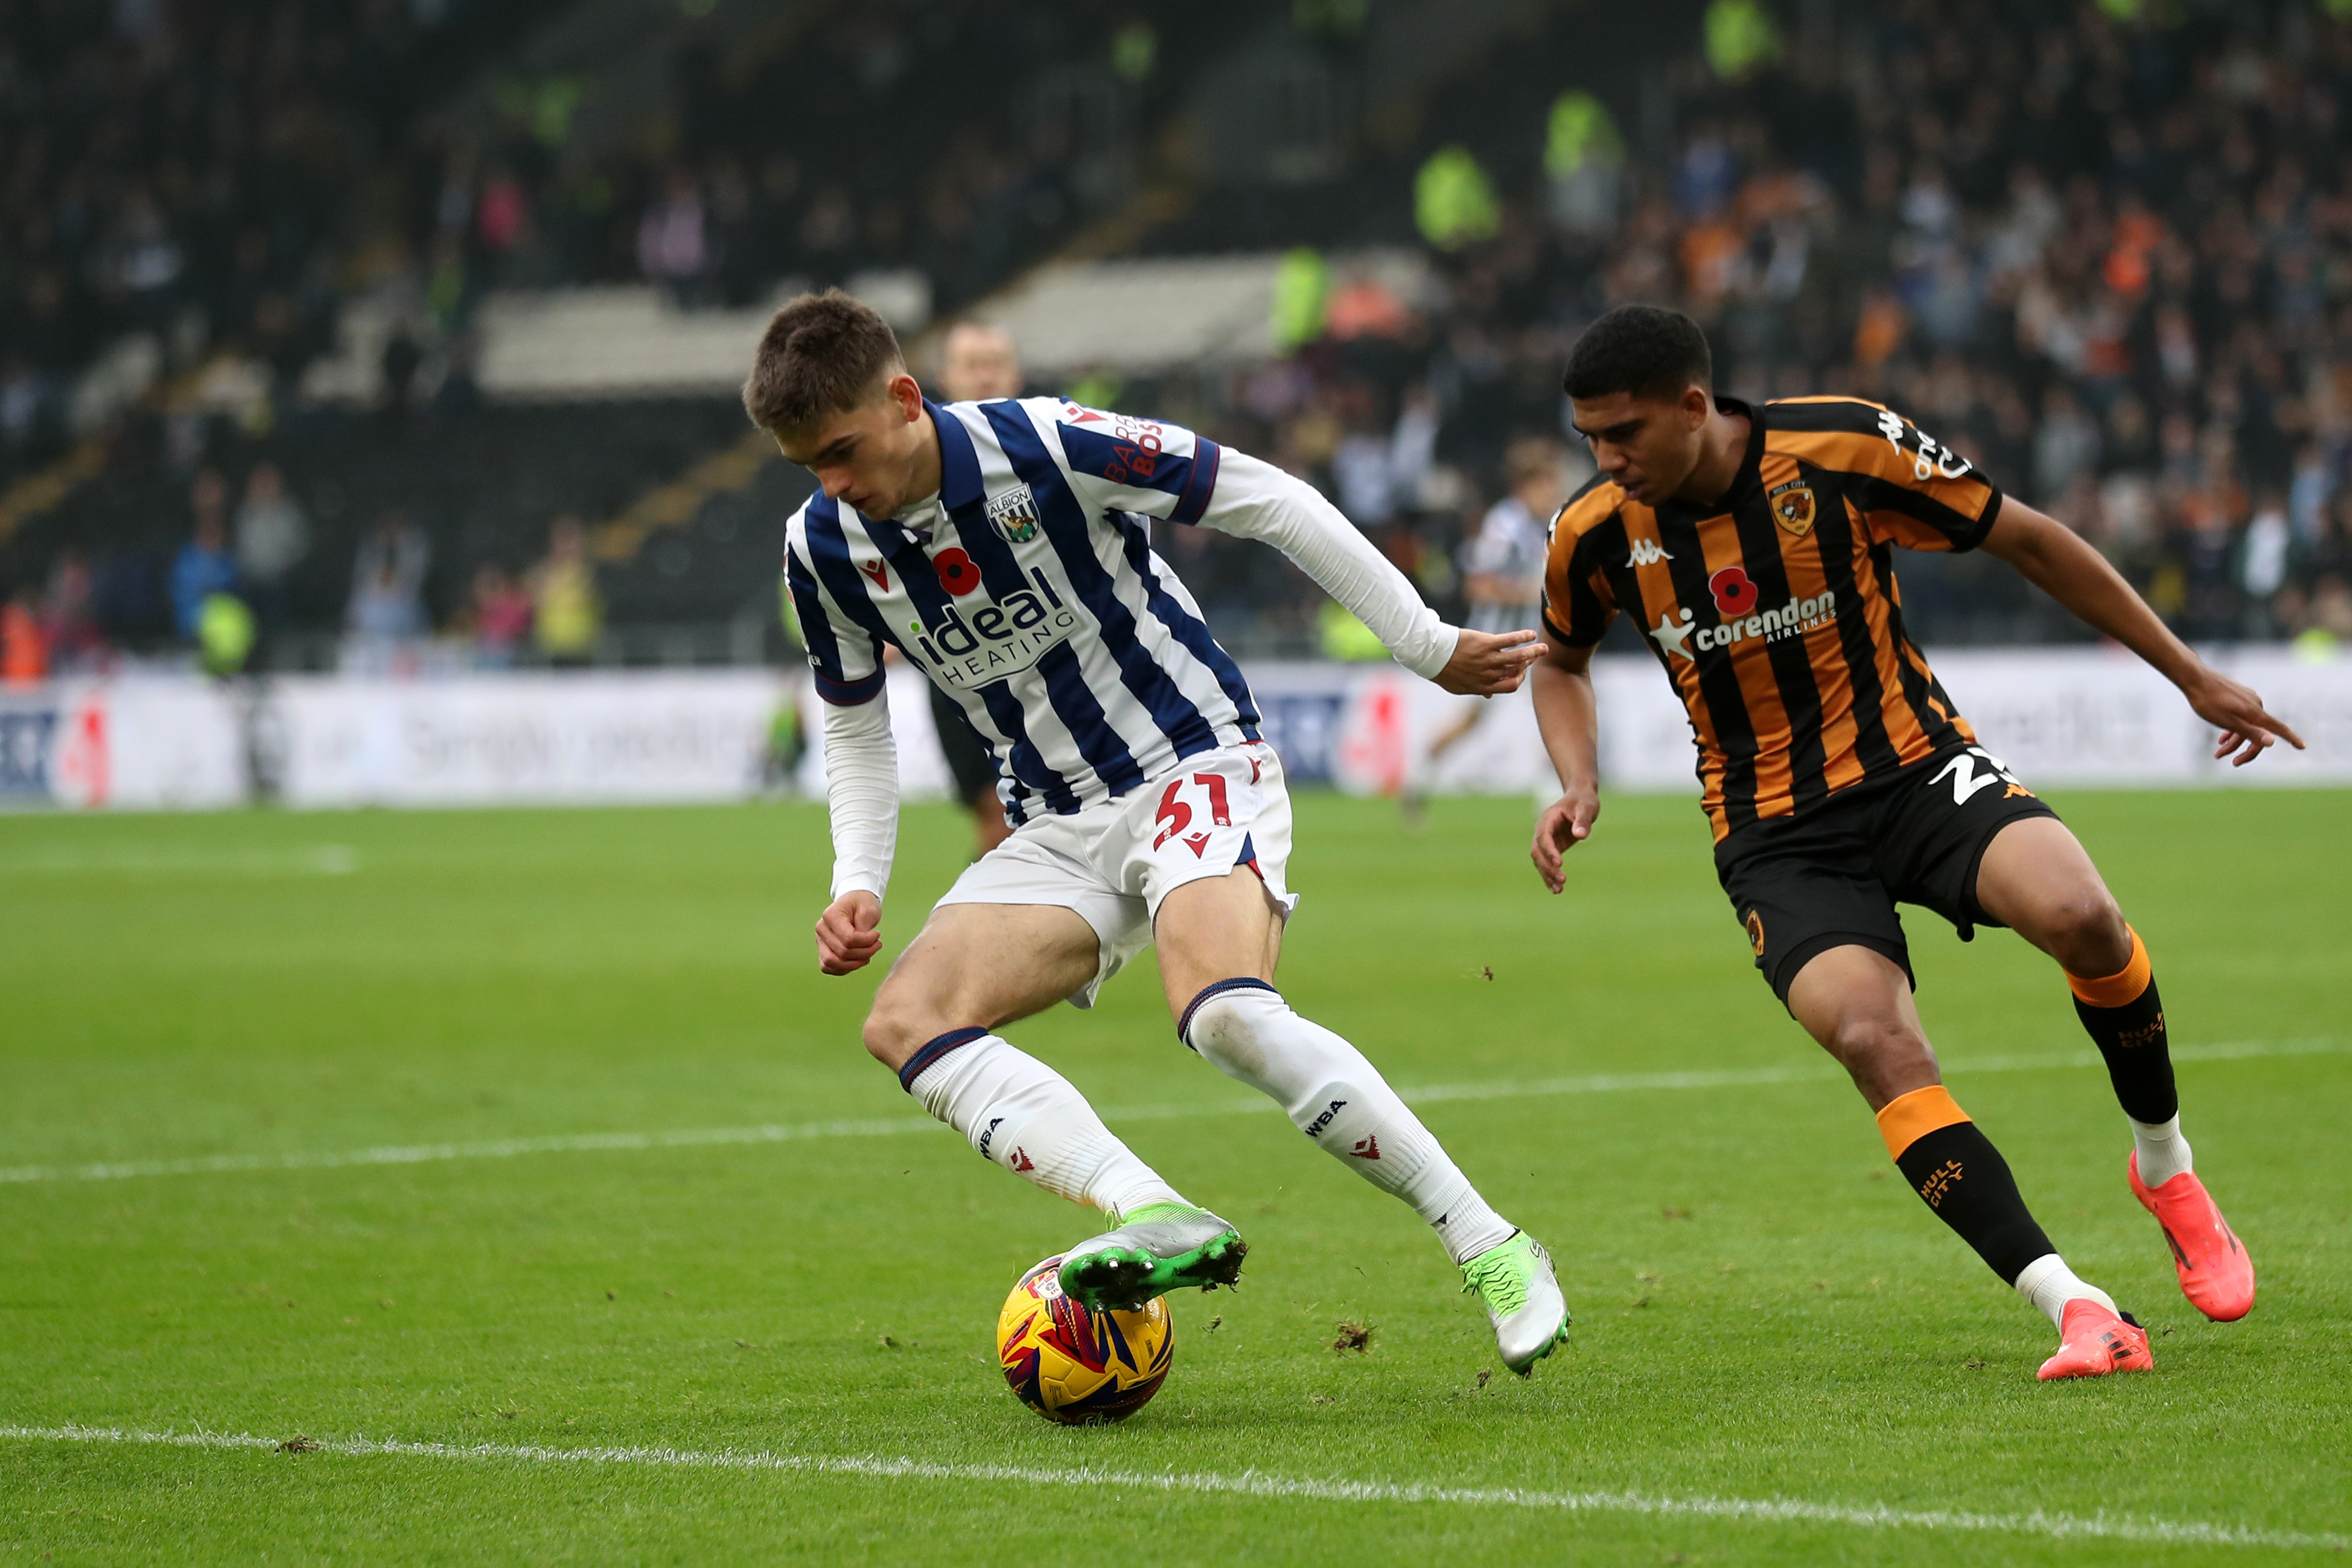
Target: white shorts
1113, 863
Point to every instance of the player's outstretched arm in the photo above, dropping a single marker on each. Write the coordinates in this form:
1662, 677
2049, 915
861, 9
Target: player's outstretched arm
2055, 559
861, 789
1569, 718
1254, 500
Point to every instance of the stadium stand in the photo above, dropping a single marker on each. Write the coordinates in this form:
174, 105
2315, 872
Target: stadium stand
2105, 251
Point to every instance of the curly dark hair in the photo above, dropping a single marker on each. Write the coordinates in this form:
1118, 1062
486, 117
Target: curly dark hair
822, 354
1645, 350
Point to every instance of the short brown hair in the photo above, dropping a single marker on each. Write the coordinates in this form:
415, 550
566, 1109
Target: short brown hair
819, 355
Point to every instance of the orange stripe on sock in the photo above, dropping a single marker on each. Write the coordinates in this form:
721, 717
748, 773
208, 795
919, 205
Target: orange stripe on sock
2121, 988
1907, 1118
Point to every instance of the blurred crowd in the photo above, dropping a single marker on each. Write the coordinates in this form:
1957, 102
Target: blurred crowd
2105, 251
204, 178
227, 591
764, 167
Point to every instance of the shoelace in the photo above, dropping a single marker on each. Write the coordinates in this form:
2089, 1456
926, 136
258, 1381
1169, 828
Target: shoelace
1503, 1288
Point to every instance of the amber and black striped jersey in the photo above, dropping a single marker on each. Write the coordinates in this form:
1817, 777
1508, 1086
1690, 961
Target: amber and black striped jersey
1774, 610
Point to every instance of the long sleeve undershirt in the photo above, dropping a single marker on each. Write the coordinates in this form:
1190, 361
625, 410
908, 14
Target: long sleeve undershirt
1254, 500
861, 794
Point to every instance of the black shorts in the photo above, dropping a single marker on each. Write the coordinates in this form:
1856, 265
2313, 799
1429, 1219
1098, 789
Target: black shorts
1832, 876
967, 753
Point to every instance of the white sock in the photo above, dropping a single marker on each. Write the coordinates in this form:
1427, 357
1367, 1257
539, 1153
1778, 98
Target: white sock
2049, 1284
2163, 1152
1023, 1115
1340, 1100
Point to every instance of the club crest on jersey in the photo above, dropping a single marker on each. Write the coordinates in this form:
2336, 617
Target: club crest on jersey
1793, 506
1013, 515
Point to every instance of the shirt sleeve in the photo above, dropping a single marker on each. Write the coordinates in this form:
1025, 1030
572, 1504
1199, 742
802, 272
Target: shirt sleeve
1914, 491
1254, 500
1578, 604
1122, 463
845, 657
861, 794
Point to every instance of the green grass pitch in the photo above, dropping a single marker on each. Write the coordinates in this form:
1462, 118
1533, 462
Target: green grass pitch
1762, 1315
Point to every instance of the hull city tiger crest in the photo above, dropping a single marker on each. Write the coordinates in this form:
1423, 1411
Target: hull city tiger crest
1793, 506
1013, 515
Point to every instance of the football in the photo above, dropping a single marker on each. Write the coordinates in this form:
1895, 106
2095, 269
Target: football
1078, 1367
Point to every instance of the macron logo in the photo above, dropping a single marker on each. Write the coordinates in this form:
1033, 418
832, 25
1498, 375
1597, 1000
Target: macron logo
1647, 552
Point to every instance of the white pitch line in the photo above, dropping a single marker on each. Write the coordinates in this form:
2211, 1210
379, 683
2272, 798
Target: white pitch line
1801, 1072
493, 1149
1251, 1483
689, 1138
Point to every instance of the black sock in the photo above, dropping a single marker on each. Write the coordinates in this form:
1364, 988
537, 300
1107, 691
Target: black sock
1964, 1179
2124, 1019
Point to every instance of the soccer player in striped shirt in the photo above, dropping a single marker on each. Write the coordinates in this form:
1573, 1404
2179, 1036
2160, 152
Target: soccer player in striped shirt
1754, 548
1003, 548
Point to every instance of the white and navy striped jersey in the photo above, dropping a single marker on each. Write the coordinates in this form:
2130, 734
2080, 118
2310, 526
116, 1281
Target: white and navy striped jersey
1028, 590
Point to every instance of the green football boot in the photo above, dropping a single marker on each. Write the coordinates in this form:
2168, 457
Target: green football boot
1514, 1281
1157, 1248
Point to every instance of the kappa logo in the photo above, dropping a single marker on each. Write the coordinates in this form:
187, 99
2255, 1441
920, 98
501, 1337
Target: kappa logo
1966, 780
1013, 515
1366, 1149
1315, 1127
1647, 552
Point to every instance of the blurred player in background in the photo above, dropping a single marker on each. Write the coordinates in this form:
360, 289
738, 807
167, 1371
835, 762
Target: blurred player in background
1002, 548
1754, 546
1502, 579
977, 362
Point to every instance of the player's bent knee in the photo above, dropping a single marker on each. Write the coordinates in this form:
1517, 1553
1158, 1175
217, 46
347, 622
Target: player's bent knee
2085, 931
1874, 1042
894, 1031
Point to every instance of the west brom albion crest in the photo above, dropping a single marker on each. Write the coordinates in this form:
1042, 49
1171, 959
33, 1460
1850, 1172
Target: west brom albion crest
1793, 506
1013, 515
